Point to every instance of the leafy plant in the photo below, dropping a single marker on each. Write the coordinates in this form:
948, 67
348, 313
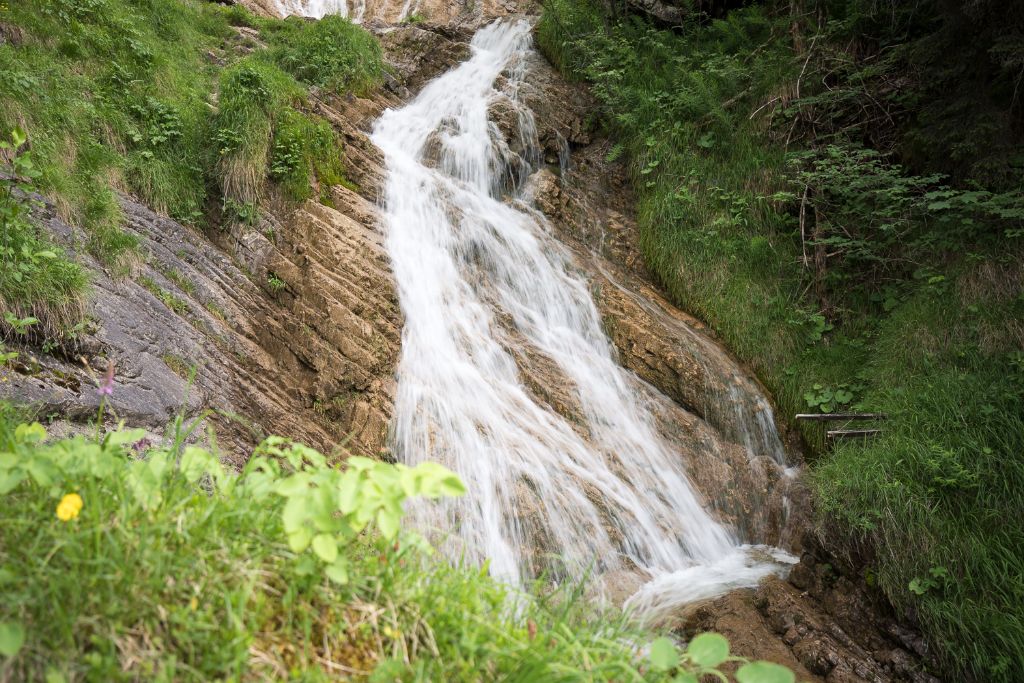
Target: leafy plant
937, 577
18, 326
874, 220
275, 283
176, 304
828, 399
703, 657
306, 151
246, 213
326, 508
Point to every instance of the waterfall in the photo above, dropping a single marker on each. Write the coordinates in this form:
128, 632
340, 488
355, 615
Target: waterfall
316, 9
483, 284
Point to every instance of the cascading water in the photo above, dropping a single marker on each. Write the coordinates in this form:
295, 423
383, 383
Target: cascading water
481, 283
316, 9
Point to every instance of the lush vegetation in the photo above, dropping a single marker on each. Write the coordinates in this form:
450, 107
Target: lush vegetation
835, 187
121, 558
167, 101
35, 277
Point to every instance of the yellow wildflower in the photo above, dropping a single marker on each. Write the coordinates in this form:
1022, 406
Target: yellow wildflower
69, 507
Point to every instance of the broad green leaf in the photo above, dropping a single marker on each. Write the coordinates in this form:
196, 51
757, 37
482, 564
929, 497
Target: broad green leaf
299, 539
325, 547
708, 650
359, 463
338, 571
258, 485
124, 437
410, 481
294, 514
451, 486
664, 655
12, 637
194, 463
8, 460
42, 471
348, 488
438, 480
30, 433
686, 677
388, 521
295, 485
310, 455
764, 672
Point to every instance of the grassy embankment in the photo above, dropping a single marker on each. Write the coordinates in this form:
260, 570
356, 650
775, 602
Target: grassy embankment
166, 101
125, 560
841, 201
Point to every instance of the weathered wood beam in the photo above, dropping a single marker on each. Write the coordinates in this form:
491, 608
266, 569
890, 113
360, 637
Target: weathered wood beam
851, 433
832, 417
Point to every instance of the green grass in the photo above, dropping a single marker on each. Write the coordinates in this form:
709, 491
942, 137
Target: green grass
943, 489
37, 280
151, 97
113, 95
928, 326
332, 53
168, 299
174, 569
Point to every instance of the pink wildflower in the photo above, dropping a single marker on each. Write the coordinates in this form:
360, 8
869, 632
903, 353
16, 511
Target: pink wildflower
107, 388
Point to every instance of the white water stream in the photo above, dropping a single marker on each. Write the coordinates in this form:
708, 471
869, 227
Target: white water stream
315, 9
480, 278
318, 9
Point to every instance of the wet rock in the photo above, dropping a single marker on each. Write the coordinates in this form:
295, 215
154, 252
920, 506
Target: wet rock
418, 54
778, 621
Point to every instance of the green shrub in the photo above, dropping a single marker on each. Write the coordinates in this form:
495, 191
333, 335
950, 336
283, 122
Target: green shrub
306, 151
330, 53
253, 95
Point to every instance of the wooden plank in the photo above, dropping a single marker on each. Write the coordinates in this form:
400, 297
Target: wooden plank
852, 433
831, 417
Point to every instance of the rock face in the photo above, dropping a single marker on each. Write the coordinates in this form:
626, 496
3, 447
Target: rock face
310, 358
823, 625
